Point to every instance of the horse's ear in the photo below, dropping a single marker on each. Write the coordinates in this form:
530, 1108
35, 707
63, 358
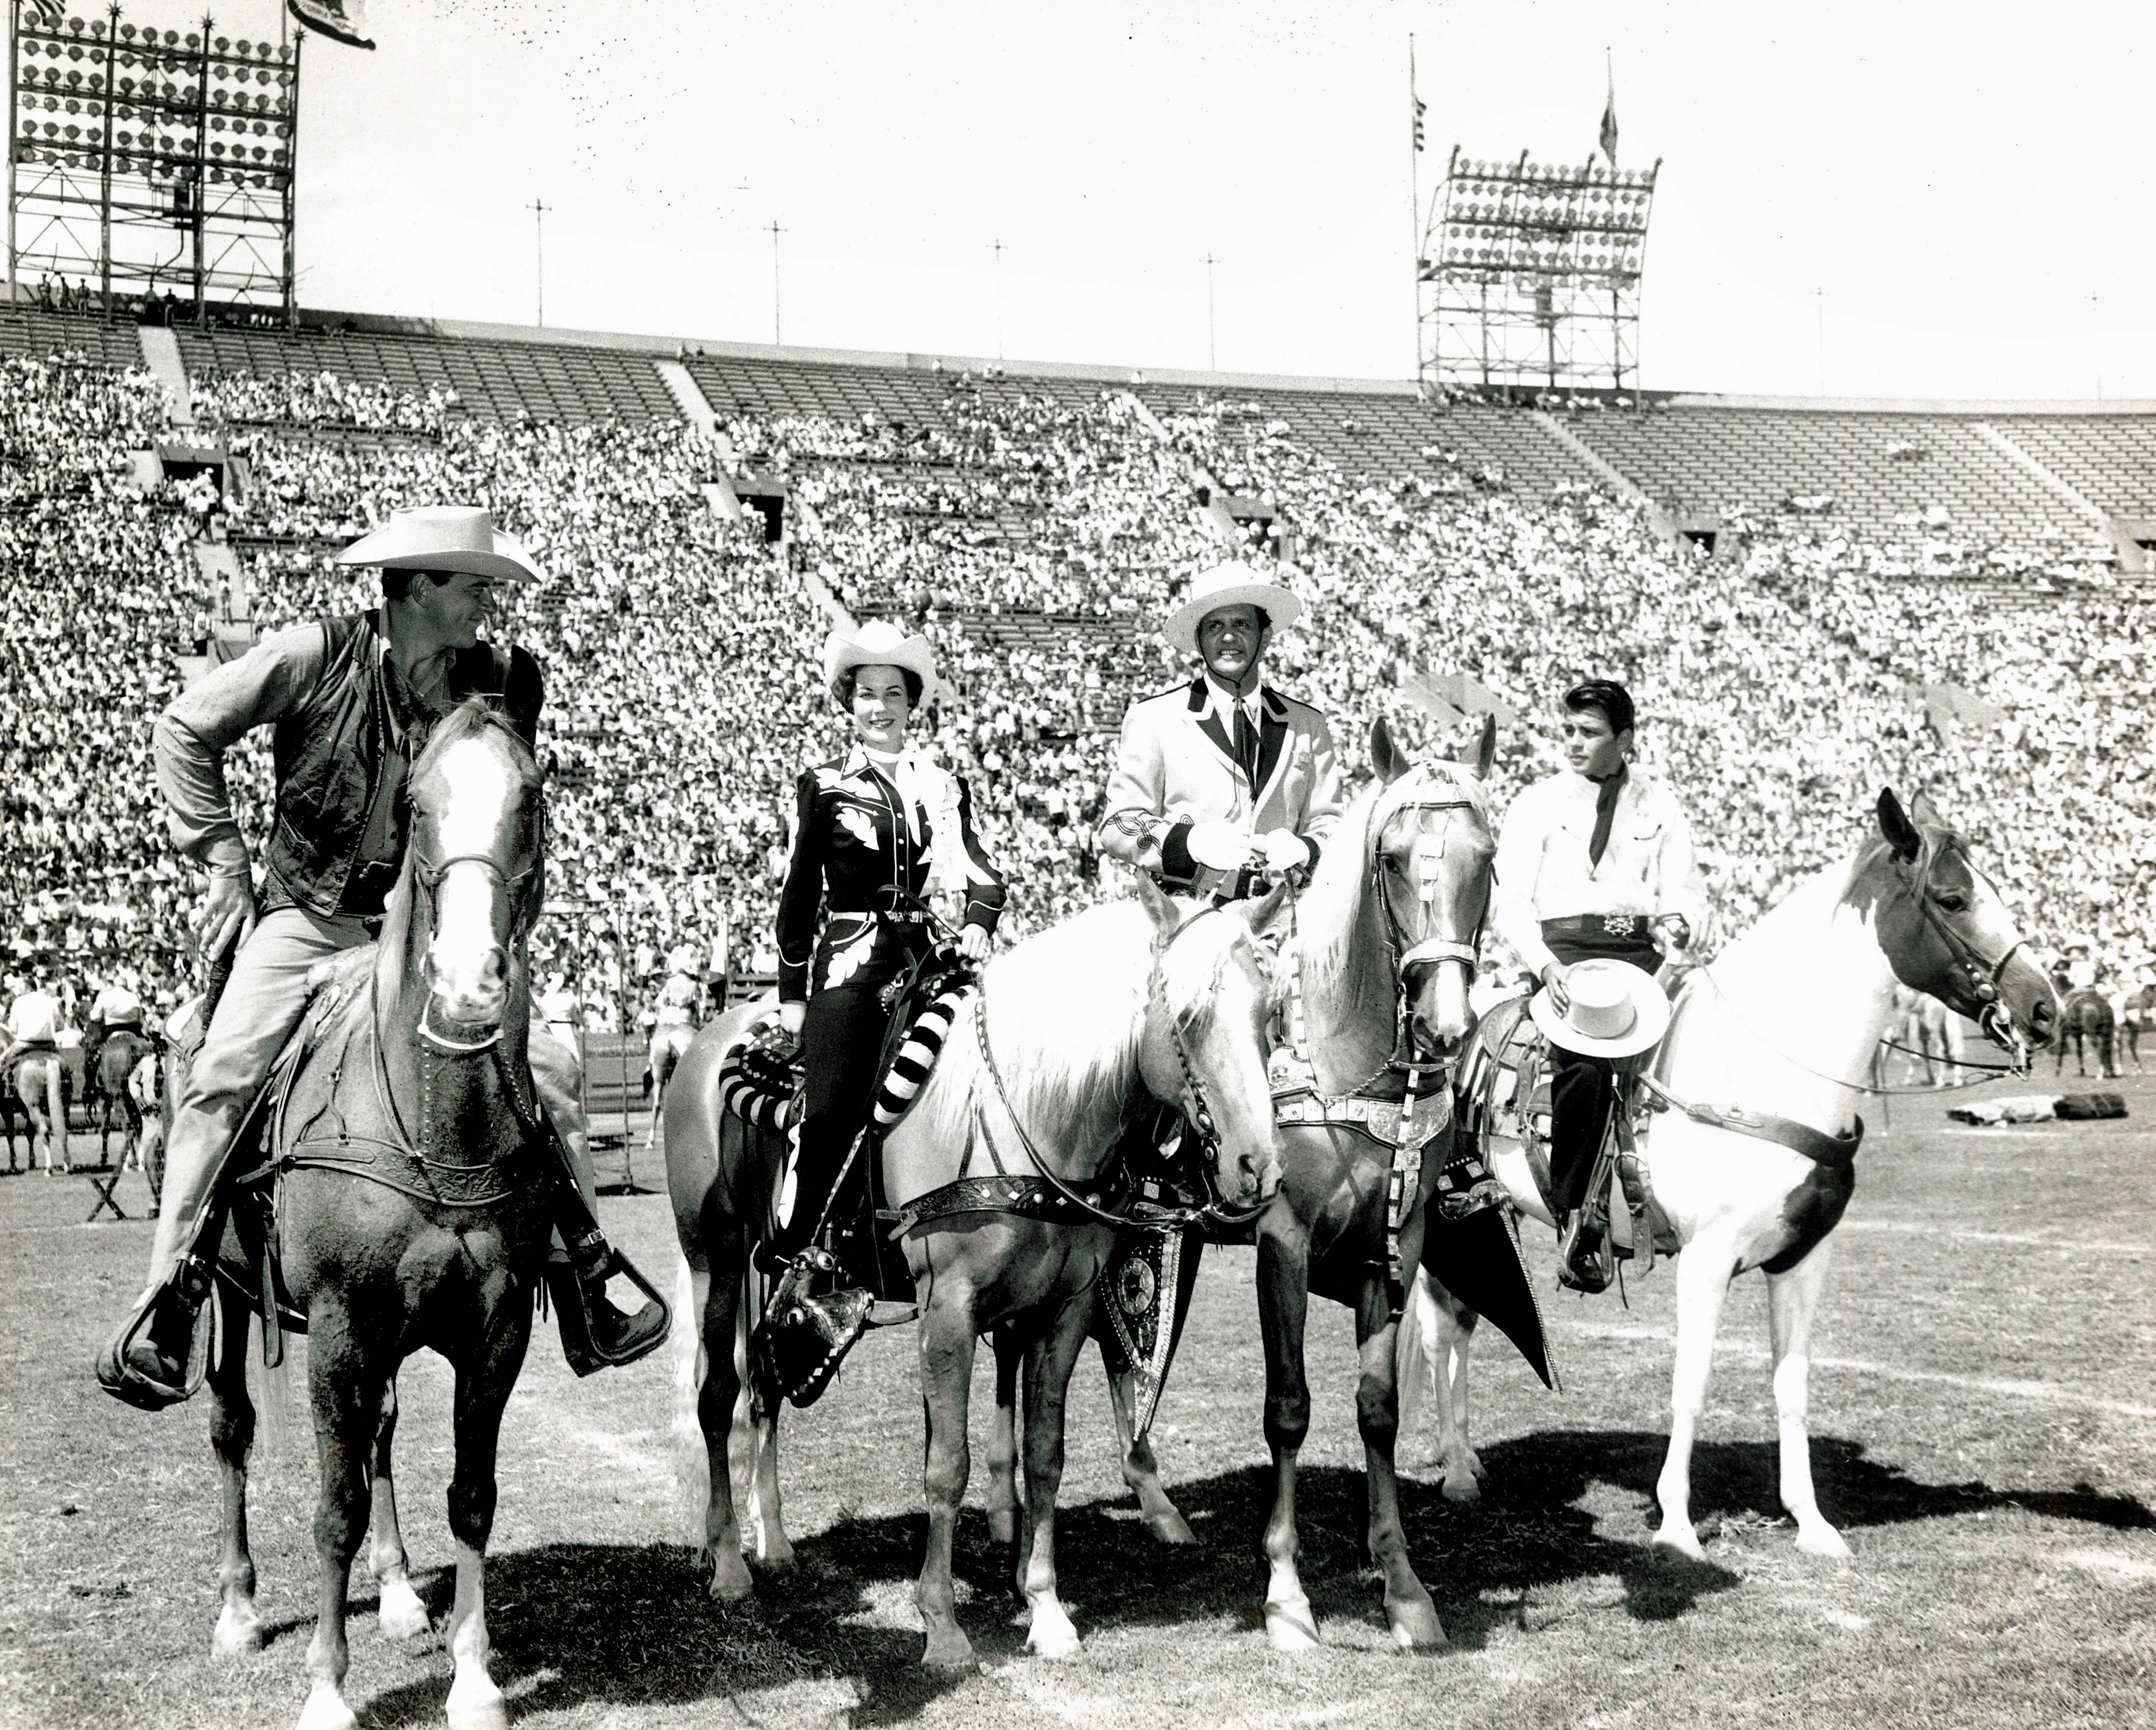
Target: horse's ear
1263, 914
1165, 915
1902, 835
1386, 756
1486, 748
1924, 813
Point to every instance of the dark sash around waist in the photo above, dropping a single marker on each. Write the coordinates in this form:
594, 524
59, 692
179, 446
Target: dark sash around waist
1611, 936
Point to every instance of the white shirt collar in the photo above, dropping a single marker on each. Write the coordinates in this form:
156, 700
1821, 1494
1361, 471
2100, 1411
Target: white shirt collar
1220, 701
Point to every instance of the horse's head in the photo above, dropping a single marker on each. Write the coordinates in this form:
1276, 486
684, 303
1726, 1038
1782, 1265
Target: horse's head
1946, 932
1209, 1011
1431, 849
477, 862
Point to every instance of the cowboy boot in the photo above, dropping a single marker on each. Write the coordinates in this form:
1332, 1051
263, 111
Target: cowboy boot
595, 1334
804, 1338
145, 1363
1584, 1263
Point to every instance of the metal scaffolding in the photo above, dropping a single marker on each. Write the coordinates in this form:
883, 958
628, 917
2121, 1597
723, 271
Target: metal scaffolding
146, 163
1529, 274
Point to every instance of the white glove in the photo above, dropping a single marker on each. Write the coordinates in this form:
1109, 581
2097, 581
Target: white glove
1220, 846
1284, 851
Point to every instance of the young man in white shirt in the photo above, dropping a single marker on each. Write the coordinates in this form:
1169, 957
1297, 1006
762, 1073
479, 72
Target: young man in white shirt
1595, 862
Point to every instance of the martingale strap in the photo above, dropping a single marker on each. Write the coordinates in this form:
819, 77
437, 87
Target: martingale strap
1815, 1144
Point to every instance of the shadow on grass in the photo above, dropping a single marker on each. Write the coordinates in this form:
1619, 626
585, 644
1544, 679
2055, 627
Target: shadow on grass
631, 1626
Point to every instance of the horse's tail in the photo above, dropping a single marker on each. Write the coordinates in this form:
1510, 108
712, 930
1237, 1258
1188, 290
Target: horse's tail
692, 1470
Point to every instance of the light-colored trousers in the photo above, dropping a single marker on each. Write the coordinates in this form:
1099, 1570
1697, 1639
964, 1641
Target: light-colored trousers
263, 1003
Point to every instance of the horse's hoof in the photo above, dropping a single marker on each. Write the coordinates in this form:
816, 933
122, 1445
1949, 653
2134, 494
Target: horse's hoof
1461, 1487
477, 1705
1003, 1526
1051, 1634
325, 1710
1291, 1626
730, 1579
238, 1633
952, 1652
1171, 1529
1822, 1540
1682, 1539
1416, 1627
401, 1614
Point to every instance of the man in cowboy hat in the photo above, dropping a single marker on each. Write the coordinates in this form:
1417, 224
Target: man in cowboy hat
351, 699
1594, 865
1225, 780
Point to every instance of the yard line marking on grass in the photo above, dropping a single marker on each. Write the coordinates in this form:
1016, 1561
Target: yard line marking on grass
1997, 1237
1892, 1372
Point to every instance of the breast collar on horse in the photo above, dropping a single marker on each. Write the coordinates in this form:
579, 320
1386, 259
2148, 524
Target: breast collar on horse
1196, 1109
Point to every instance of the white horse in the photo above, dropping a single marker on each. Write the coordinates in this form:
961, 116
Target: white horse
1777, 1034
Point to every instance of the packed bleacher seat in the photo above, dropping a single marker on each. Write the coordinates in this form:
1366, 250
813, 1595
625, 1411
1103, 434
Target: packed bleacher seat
1036, 529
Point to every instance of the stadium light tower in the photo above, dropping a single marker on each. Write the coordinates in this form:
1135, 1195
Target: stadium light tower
1529, 274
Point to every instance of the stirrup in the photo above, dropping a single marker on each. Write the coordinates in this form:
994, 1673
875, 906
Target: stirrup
126, 1380
802, 1341
1584, 1263
578, 1297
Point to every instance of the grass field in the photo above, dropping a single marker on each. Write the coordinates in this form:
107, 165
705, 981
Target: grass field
1983, 1403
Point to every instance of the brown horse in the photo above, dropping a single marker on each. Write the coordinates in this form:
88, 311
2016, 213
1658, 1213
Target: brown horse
2085, 1018
110, 1093
1061, 1036
410, 1213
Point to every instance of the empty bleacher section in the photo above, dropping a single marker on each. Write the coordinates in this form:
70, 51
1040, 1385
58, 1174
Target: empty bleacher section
2110, 459
492, 379
35, 334
1890, 477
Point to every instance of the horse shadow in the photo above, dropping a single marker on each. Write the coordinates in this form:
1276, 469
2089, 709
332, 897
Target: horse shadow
585, 1624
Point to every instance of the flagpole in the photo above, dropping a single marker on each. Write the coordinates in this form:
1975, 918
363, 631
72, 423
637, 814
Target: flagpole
1415, 205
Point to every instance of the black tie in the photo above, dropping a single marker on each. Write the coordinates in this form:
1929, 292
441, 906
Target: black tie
1605, 809
1246, 745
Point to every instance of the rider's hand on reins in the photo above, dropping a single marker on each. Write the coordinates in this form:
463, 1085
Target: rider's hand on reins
973, 944
790, 1018
1676, 930
228, 913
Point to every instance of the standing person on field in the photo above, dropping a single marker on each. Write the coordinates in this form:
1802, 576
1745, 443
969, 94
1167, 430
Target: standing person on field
1594, 863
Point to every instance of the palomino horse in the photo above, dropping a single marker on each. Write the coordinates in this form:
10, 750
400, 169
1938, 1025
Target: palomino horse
123, 1049
1062, 1033
41, 1086
1384, 952
412, 1211
2086, 1017
1766, 1053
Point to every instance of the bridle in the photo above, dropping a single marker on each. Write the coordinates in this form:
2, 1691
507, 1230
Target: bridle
1195, 1110
427, 875
1982, 973
1405, 954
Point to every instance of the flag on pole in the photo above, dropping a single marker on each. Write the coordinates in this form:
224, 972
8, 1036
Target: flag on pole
340, 20
1609, 140
1416, 106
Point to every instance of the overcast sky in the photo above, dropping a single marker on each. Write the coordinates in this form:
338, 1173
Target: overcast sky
1924, 199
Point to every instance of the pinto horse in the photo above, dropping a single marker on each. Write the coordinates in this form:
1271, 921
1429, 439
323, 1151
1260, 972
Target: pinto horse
1061, 1036
411, 1211
1778, 1033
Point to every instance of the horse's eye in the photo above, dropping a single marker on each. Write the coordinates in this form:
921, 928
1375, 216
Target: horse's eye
1954, 903
1392, 864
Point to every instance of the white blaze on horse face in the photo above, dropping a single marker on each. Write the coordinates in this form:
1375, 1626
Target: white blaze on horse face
470, 967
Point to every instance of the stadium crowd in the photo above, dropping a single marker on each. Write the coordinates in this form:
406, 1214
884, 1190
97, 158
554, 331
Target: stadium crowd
1035, 536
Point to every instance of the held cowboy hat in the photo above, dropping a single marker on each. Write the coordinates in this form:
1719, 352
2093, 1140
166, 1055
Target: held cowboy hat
1229, 585
880, 643
1617, 1010
445, 538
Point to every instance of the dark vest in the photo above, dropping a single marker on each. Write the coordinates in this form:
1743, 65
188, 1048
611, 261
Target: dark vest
332, 753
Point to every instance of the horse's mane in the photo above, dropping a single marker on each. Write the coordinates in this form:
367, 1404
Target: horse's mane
1066, 1011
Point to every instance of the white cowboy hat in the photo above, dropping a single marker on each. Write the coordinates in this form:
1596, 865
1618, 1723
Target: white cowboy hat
1230, 585
1617, 1010
880, 643
444, 537
682, 959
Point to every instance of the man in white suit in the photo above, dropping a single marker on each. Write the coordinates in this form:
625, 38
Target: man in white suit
1225, 780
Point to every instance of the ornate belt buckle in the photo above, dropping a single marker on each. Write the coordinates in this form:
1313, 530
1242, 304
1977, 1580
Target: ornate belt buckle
1618, 925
